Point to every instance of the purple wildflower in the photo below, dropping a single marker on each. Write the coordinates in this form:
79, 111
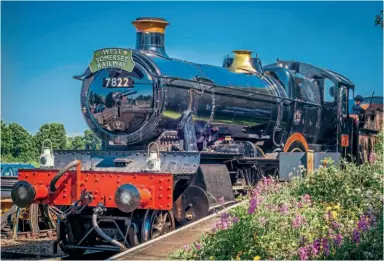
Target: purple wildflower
306, 198
221, 201
372, 158
267, 181
255, 192
363, 223
356, 236
223, 224
325, 244
303, 253
299, 204
337, 240
262, 220
371, 217
298, 221
198, 246
224, 216
186, 248
251, 208
335, 225
235, 219
372, 220
284, 209
253, 203
315, 247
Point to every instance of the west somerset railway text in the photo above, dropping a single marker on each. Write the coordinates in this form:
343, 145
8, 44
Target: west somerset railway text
178, 137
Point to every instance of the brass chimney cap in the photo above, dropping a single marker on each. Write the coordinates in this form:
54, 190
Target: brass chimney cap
150, 24
242, 51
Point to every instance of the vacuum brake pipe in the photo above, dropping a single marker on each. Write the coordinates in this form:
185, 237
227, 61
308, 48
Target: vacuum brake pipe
52, 185
24, 193
96, 211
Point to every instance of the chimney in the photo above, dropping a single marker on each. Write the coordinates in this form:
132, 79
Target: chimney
150, 34
242, 62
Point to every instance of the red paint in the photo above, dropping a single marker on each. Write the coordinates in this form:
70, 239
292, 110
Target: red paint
41, 191
344, 140
73, 182
145, 197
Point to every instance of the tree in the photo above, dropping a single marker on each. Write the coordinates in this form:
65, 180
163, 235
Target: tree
6, 140
23, 149
91, 98
55, 132
98, 99
379, 19
109, 102
76, 143
92, 142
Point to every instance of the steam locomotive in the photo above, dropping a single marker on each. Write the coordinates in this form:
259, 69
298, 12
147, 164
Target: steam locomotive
177, 136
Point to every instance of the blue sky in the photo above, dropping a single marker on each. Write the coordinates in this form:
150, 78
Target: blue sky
43, 44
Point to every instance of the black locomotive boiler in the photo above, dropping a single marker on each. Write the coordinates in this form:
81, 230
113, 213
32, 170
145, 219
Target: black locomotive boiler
179, 135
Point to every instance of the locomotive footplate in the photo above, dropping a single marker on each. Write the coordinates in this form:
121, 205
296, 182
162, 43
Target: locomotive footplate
129, 161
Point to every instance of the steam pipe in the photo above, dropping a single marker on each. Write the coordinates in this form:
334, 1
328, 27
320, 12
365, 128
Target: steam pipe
273, 137
99, 231
52, 185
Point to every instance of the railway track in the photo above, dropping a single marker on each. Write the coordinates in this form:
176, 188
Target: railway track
91, 255
47, 233
33, 222
160, 247
7, 255
103, 255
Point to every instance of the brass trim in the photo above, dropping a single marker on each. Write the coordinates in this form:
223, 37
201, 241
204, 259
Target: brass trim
242, 62
150, 25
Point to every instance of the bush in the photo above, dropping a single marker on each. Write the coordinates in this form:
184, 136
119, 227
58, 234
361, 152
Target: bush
332, 214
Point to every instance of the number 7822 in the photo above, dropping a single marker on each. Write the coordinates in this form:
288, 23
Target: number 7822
116, 82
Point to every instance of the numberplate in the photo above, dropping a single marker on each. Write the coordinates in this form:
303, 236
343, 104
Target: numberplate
118, 82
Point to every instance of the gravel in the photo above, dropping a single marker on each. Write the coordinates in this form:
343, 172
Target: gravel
40, 247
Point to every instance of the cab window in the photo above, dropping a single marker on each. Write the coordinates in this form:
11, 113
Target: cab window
343, 97
350, 100
329, 90
306, 90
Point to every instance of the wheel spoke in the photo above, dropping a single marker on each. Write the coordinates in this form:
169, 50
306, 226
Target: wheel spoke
156, 226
